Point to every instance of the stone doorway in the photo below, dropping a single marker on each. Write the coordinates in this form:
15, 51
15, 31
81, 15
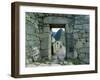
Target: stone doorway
58, 43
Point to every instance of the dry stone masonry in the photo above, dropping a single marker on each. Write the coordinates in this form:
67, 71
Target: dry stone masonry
38, 35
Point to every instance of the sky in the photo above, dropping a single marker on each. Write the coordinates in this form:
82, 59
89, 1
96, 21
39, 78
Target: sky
56, 29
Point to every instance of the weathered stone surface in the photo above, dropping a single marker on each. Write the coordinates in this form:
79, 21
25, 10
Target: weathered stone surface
46, 29
79, 17
84, 50
55, 20
67, 28
78, 26
75, 54
86, 26
79, 44
86, 35
44, 53
82, 56
81, 21
32, 37
76, 34
44, 43
30, 15
70, 55
44, 35
86, 45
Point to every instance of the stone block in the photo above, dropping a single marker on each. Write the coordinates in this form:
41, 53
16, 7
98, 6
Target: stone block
83, 40
84, 50
84, 17
44, 53
81, 21
75, 35
79, 44
55, 20
78, 26
86, 60
44, 43
86, 44
75, 54
70, 55
44, 35
46, 29
32, 37
30, 15
82, 56
86, 26
36, 25
30, 43
86, 35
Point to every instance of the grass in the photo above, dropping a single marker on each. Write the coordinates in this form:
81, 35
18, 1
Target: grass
75, 61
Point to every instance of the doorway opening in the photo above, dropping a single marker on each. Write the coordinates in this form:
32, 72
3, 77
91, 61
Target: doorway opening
58, 42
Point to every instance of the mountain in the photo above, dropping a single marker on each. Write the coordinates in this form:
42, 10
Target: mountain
53, 34
57, 36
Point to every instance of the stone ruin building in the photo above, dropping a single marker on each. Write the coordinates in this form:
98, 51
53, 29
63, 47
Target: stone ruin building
76, 35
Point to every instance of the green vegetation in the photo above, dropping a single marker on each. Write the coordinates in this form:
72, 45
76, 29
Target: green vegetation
75, 61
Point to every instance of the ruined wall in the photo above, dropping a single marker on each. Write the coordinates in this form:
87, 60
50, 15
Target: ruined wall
31, 34
81, 38
76, 36
37, 35
45, 41
69, 36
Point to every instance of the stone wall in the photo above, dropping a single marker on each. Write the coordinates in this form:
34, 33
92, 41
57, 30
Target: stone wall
45, 41
81, 38
69, 37
32, 38
37, 35
76, 36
